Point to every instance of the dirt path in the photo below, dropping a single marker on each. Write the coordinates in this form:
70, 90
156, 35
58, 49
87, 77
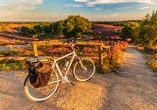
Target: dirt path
133, 89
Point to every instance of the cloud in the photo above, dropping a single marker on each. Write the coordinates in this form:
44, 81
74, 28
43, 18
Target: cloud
81, 0
144, 8
9, 6
2, 1
97, 8
110, 17
93, 3
90, 5
81, 13
123, 8
57, 9
72, 5
107, 10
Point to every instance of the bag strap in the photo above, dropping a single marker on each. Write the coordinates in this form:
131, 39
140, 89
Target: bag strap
41, 80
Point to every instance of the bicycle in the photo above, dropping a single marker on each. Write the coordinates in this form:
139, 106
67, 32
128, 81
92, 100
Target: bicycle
83, 70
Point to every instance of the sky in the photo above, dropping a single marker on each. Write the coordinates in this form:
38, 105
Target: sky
94, 10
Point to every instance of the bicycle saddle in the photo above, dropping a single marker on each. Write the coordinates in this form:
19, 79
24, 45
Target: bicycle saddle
51, 51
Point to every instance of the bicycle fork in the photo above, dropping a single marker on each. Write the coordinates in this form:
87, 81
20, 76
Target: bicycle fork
80, 62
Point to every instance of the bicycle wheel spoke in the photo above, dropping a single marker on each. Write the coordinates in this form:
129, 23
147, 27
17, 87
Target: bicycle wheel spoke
84, 71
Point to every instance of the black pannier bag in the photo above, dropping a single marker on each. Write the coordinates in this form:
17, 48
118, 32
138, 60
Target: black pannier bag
39, 74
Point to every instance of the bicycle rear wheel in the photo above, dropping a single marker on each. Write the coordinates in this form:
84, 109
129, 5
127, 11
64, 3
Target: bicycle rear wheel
43, 93
84, 71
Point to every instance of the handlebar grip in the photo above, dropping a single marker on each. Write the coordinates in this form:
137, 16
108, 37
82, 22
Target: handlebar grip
64, 42
70, 40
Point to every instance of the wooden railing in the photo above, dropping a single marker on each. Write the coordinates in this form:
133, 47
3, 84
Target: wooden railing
101, 46
35, 51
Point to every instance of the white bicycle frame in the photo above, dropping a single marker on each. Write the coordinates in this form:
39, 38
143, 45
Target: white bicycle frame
63, 77
71, 60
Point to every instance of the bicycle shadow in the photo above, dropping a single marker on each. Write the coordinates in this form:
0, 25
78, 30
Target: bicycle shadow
83, 95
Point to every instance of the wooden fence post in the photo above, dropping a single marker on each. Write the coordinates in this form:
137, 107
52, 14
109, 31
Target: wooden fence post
35, 51
100, 56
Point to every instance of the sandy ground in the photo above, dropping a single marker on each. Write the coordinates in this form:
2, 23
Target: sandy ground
134, 88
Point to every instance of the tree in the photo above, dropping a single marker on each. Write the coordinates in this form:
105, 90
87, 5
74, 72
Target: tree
75, 25
131, 30
148, 30
37, 29
57, 27
27, 31
48, 28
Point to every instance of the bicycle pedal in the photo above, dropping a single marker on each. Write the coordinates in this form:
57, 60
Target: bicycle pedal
72, 83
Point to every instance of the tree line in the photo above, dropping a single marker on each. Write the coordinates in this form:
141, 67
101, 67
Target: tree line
23, 22
144, 32
115, 23
73, 26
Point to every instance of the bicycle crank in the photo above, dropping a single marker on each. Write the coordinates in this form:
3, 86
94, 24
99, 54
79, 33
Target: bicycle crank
65, 79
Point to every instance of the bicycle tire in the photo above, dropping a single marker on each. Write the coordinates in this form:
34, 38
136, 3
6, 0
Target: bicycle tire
43, 93
80, 74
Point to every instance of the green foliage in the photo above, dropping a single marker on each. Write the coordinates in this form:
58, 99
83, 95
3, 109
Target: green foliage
12, 65
57, 27
3, 27
31, 23
131, 30
115, 23
47, 28
27, 31
145, 33
148, 30
37, 29
75, 25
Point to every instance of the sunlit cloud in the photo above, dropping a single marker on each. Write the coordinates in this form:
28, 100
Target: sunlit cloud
107, 10
81, 13
144, 7
97, 8
123, 8
93, 3
113, 17
90, 5
2, 1
9, 6
57, 9
72, 5
81, 0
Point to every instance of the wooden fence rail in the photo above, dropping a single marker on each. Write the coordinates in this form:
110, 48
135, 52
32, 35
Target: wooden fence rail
101, 46
41, 43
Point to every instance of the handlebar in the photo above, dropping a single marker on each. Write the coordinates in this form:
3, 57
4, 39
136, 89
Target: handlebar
70, 41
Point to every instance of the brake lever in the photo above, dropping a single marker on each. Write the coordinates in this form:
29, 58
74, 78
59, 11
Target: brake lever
64, 42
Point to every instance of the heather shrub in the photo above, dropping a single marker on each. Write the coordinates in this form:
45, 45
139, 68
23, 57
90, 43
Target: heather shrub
27, 31
3, 27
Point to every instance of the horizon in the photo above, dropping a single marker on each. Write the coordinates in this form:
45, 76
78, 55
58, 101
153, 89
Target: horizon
64, 19
55, 10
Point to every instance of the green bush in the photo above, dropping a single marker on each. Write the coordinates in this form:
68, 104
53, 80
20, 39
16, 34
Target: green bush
12, 65
75, 25
37, 29
131, 30
27, 31
57, 27
148, 30
3, 27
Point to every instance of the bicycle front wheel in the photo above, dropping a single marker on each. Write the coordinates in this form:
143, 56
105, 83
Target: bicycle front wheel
43, 93
84, 71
